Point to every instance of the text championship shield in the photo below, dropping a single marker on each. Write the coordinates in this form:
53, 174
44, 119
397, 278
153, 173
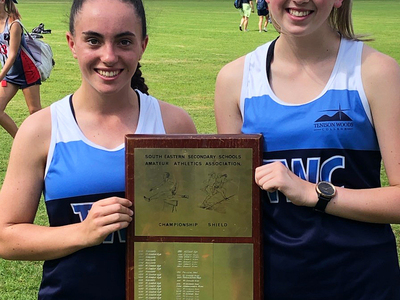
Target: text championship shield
196, 233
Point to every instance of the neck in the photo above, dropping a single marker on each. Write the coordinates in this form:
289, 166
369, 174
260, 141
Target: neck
304, 47
105, 103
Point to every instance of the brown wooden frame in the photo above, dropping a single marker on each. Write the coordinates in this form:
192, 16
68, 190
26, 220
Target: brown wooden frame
196, 141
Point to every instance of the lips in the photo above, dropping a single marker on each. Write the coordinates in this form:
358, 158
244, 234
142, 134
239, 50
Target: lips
299, 13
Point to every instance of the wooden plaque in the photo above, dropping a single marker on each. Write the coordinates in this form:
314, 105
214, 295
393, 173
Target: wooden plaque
196, 233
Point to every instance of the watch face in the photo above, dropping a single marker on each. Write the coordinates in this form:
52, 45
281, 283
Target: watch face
326, 188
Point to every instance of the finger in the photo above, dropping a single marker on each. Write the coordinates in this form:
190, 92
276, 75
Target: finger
265, 179
262, 171
270, 189
114, 227
116, 218
115, 221
269, 183
103, 215
117, 209
114, 203
114, 200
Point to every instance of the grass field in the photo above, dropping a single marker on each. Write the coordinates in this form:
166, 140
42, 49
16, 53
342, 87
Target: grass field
190, 40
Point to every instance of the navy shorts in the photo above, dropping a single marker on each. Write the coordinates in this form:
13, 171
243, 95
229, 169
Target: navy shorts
263, 12
23, 72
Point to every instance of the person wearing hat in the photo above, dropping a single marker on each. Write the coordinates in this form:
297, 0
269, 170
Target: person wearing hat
18, 70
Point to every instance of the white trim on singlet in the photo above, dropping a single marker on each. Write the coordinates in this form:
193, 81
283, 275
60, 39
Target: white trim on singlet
65, 129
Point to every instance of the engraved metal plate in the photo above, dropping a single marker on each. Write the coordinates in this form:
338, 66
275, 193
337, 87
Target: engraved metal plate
196, 233
193, 192
193, 271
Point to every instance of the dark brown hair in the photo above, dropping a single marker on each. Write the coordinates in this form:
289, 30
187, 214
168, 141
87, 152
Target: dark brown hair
137, 81
12, 10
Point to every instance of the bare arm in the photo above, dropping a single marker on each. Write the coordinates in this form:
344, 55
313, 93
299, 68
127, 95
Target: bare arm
381, 80
20, 195
176, 119
227, 97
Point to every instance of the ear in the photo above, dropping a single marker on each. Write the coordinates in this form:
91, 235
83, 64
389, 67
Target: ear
144, 45
338, 3
71, 43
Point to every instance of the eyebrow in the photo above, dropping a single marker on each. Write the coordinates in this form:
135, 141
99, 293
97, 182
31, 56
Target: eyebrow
96, 34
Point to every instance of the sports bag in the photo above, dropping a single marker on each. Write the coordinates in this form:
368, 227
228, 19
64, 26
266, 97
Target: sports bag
261, 5
238, 3
42, 54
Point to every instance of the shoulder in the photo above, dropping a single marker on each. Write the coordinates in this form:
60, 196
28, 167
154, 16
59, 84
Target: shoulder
228, 89
33, 136
381, 63
378, 61
234, 70
176, 119
229, 80
232, 73
235, 65
380, 78
12, 22
380, 73
15, 27
37, 124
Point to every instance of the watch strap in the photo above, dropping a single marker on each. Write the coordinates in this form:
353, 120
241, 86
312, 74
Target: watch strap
322, 203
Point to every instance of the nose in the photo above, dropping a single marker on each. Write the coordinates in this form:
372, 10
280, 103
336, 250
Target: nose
109, 55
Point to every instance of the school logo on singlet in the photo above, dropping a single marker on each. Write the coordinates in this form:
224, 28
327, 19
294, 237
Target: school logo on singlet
333, 119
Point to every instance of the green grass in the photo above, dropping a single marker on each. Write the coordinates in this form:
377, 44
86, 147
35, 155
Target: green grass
190, 40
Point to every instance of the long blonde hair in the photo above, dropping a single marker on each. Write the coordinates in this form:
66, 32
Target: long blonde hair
340, 20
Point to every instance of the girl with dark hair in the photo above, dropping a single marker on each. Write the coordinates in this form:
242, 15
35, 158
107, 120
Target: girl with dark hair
18, 70
328, 106
73, 152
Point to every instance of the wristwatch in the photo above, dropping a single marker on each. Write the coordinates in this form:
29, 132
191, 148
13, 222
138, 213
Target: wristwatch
325, 191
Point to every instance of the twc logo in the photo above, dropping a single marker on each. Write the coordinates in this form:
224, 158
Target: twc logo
336, 120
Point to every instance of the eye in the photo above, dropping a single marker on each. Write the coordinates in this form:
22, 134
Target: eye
125, 42
93, 41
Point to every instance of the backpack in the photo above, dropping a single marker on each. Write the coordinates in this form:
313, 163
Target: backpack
261, 5
238, 3
40, 53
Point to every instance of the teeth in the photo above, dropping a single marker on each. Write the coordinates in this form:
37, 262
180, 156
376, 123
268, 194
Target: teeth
108, 73
298, 13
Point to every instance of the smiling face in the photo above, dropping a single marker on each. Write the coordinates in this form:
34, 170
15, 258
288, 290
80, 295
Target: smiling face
302, 17
107, 42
